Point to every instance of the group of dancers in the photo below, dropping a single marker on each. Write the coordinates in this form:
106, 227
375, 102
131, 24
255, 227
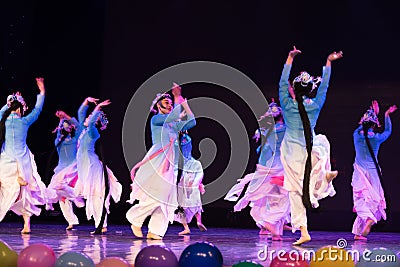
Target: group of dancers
293, 171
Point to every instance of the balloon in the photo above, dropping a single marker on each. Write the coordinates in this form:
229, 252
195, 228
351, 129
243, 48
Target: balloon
113, 262
8, 257
378, 257
247, 264
200, 254
330, 256
37, 255
71, 258
156, 256
289, 259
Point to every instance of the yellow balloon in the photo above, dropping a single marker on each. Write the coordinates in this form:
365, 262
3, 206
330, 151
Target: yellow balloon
8, 257
331, 256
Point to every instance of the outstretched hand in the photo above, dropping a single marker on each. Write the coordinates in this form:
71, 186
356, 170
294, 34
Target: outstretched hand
40, 84
102, 104
335, 56
391, 110
92, 100
61, 114
375, 106
294, 52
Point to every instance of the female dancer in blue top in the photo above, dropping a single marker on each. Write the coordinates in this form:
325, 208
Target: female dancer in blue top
305, 157
368, 195
61, 187
21, 188
154, 184
92, 173
268, 200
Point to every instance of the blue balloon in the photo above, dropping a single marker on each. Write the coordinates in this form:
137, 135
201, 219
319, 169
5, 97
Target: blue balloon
201, 254
156, 256
378, 257
69, 259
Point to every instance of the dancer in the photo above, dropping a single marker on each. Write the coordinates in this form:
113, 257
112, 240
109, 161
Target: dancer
268, 200
154, 184
368, 195
95, 178
21, 188
61, 187
304, 155
190, 188
189, 174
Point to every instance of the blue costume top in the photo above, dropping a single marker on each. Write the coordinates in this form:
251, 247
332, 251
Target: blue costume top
363, 156
291, 115
17, 130
272, 146
161, 121
67, 149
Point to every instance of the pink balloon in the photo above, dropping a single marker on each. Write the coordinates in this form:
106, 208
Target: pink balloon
37, 255
113, 262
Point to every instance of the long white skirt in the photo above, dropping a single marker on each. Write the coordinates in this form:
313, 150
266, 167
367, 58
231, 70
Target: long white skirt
23, 200
156, 179
265, 194
368, 197
62, 185
293, 158
91, 186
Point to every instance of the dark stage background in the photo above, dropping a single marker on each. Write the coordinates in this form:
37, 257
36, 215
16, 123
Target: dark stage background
107, 49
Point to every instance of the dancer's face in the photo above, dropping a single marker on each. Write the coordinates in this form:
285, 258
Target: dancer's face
165, 106
66, 127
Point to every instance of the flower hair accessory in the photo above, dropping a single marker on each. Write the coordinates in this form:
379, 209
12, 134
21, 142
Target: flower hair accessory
273, 110
103, 120
370, 116
17, 97
305, 79
158, 98
61, 126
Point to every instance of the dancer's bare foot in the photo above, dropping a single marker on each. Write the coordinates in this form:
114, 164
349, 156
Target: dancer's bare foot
330, 175
302, 239
367, 227
264, 231
270, 228
184, 232
287, 228
21, 181
153, 236
26, 230
69, 227
103, 231
277, 238
201, 227
137, 231
360, 238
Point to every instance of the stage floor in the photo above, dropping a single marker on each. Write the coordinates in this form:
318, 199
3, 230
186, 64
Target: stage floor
234, 244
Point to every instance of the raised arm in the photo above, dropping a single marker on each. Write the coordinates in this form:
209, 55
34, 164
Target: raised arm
93, 132
82, 111
284, 81
326, 75
388, 124
33, 116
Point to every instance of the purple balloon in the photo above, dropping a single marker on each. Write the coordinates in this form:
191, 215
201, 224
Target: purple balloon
37, 255
156, 256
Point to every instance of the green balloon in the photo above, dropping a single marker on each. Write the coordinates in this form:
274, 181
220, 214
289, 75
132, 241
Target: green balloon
8, 257
247, 264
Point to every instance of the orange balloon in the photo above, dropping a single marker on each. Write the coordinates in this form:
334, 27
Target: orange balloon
331, 256
113, 262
